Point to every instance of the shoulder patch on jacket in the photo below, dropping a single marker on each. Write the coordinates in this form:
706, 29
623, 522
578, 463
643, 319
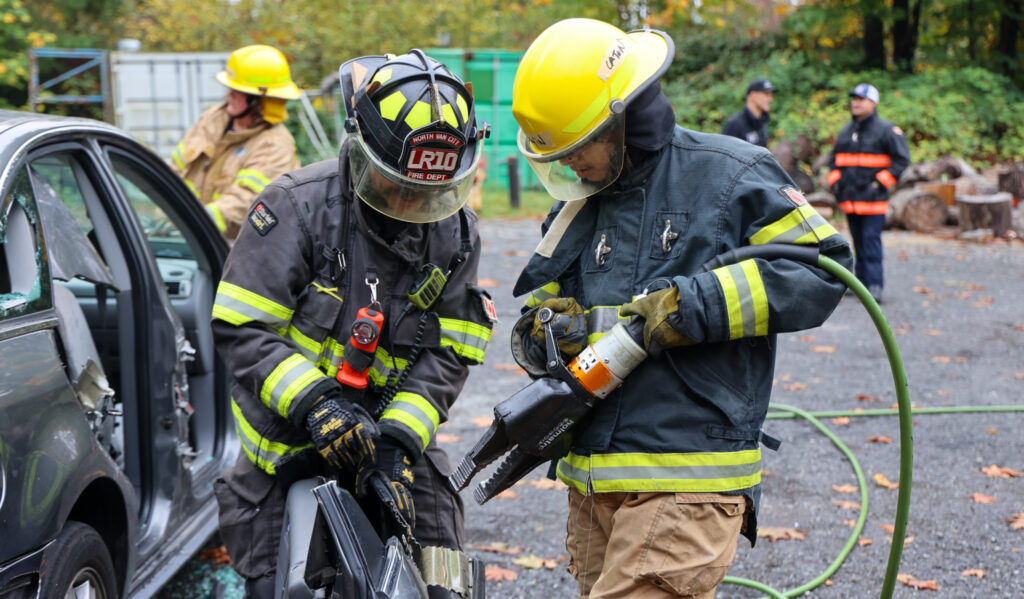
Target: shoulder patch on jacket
262, 219
793, 196
897, 130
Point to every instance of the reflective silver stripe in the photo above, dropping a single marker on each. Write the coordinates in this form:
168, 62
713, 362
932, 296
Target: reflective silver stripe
415, 412
745, 299
287, 381
674, 472
447, 568
468, 339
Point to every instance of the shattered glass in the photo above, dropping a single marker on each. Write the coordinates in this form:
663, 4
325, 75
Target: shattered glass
23, 285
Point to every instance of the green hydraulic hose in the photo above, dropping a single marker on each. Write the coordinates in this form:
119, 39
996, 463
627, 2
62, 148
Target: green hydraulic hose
904, 411
899, 377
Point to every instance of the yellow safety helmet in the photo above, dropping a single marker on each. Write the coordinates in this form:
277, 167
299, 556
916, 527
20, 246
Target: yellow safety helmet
572, 87
259, 70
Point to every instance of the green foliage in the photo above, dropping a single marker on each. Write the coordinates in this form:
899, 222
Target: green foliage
18, 32
969, 112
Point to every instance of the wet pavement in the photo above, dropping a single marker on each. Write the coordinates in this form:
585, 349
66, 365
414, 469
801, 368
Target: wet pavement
958, 313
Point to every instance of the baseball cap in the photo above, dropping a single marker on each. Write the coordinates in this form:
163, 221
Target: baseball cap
865, 90
761, 85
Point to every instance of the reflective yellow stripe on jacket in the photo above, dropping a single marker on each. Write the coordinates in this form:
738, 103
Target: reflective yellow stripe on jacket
415, 412
238, 306
287, 381
468, 339
251, 179
178, 156
745, 299
709, 472
264, 453
218, 217
803, 226
542, 293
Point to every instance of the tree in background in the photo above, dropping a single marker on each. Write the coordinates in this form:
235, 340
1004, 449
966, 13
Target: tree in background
19, 31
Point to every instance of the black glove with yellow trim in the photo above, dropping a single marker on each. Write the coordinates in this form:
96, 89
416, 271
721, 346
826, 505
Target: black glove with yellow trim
660, 311
568, 326
343, 432
394, 463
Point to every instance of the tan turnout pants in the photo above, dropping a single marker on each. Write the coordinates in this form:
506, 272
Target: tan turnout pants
652, 545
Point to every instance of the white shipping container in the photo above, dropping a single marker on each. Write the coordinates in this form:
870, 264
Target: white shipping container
158, 96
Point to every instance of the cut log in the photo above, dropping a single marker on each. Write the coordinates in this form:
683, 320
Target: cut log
993, 212
916, 210
802, 180
823, 202
1011, 179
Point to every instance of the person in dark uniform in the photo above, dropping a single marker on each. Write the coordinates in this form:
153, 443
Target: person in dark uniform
869, 156
381, 230
751, 123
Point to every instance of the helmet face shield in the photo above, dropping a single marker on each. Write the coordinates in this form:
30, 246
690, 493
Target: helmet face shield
413, 200
583, 168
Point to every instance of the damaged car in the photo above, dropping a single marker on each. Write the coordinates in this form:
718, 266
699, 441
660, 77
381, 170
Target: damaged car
114, 410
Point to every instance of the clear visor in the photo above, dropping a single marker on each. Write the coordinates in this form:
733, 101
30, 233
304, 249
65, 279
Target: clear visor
402, 198
583, 168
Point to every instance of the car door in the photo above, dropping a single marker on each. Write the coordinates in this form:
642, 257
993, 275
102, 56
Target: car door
155, 347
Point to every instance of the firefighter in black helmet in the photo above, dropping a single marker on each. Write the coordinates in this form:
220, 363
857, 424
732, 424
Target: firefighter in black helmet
309, 261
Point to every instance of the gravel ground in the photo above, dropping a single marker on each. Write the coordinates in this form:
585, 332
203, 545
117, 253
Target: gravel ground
957, 311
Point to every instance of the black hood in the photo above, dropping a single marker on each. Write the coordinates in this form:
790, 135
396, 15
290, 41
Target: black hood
650, 121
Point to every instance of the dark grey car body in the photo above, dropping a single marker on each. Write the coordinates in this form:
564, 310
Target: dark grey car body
114, 410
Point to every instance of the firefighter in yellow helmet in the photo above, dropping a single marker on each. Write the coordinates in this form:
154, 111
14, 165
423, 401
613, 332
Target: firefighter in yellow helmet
664, 474
237, 148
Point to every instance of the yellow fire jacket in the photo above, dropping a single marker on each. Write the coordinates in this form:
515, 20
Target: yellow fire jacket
227, 169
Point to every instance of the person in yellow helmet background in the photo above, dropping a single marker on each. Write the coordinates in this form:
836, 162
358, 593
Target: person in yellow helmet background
237, 148
664, 473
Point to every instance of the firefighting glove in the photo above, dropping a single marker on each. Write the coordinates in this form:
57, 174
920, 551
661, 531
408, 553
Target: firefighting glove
393, 462
660, 311
343, 432
569, 326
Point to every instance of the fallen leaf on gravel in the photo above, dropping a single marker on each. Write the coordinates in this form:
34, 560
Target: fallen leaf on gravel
880, 439
942, 359
973, 572
910, 581
797, 386
546, 483
840, 421
942, 393
884, 482
219, 555
511, 367
507, 494
499, 547
982, 498
520, 253
889, 528
482, 421
828, 582
447, 438
922, 289
784, 377
991, 431
903, 329
532, 562
498, 574
984, 302
487, 283
847, 505
850, 523
823, 349
1018, 327
864, 542
844, 489
1016, 521
932, 332
994, 471
783, 533
1019, 376
864, 397
812, 338
913, 406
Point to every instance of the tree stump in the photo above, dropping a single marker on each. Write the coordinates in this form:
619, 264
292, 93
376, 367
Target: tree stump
993, 211
1011, 179
916, 210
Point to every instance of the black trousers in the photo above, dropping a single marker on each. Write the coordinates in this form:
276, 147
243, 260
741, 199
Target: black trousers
252, 507
866, 230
